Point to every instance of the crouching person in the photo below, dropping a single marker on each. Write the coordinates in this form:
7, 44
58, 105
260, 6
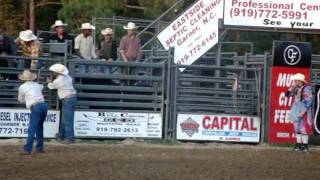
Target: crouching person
61, 81
30, 93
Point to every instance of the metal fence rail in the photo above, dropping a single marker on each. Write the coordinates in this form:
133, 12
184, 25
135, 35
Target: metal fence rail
117, 89
9, 82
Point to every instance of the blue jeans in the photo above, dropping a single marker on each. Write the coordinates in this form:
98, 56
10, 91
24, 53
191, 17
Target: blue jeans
37, 117
66, 130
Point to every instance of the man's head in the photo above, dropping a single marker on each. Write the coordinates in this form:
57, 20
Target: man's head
27, 75
86, 29
107, 34
27, 36
299, 79
131, 28
58, 27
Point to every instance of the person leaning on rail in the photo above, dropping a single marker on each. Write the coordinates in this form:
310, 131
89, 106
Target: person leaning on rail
30, 47
61, 81
30, 93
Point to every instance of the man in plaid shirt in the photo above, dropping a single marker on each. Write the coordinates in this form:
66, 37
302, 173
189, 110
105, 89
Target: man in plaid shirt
30, 47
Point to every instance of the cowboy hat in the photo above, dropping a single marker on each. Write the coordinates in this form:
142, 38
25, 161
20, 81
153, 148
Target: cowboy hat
57, 24
27, 35
87, 26
130, 25
27, 75
59, 68
299, 77
106, 31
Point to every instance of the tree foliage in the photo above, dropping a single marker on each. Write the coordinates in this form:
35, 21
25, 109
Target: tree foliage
76, 12
12, 16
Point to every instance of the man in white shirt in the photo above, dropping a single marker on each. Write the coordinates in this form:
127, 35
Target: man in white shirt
30, 93
67, 94
84, 45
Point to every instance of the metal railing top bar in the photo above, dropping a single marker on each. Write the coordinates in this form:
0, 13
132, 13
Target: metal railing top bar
29, 58
116, 88
216, 67
117, 63
118, 77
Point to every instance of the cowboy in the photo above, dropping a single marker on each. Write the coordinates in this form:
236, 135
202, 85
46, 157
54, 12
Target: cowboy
30, 47
30, 93
300, 113
84, 46
108, 47
60, 35
67, 94
130, 44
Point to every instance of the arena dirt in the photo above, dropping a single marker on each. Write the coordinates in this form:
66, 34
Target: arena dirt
82, 161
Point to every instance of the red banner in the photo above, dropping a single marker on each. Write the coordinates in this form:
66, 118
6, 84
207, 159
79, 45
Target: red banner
281, 130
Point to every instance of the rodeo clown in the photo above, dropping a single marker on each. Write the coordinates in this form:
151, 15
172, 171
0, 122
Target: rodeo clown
300, 113
30, 93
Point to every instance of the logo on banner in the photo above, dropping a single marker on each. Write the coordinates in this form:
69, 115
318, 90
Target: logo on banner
292, 55
190, 127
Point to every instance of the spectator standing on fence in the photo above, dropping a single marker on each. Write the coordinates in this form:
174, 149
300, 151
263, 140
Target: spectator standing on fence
300, 113
130, 44
67, 94
30, 47
84, 46
30, 93
108, 47
7, 47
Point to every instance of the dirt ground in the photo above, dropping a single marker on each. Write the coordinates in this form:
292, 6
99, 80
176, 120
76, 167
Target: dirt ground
141, 160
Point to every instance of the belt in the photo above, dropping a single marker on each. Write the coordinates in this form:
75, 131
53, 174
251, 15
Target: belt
70, 96
36, 103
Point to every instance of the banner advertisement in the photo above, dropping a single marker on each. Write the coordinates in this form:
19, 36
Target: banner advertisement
294, 14
15, 122
289, 58
117, 124
231, 128
194, 32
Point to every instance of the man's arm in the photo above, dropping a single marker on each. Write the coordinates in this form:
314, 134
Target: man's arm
77, 46
21, 97
122, 50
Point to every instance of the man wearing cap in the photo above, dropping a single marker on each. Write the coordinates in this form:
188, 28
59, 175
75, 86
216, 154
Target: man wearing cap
300, 113
63, 83
30, 93
84, 46
30, 47
130, 44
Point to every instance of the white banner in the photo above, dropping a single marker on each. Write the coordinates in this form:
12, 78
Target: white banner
15, 122
218, 128
194, 32
117, 124
273, 13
